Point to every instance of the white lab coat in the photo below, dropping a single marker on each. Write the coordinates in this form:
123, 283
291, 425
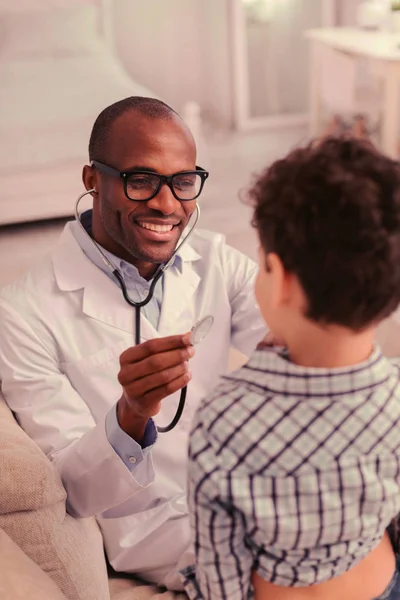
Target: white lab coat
63, 327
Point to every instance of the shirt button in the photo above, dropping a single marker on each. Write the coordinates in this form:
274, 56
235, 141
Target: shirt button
132, 460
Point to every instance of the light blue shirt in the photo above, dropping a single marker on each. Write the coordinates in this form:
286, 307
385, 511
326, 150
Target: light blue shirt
127, 449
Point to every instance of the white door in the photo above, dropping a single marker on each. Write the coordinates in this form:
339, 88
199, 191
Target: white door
271, 68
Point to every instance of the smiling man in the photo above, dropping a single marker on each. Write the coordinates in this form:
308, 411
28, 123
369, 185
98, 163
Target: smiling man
142, 218
69, 366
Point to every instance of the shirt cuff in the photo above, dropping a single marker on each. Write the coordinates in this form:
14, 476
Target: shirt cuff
192, 588
129, 451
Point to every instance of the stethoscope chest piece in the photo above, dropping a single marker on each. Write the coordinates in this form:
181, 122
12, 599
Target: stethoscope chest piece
198, 333
201, 329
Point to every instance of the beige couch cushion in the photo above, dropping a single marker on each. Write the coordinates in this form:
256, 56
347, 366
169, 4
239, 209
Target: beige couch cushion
21, 578
32, 513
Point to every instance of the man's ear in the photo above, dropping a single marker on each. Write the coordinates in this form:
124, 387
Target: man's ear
89, 178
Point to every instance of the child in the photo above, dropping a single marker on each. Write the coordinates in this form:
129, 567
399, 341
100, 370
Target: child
294, 471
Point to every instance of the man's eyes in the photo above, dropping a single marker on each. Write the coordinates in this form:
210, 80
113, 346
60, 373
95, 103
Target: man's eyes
141, 181
184, 183
149, 181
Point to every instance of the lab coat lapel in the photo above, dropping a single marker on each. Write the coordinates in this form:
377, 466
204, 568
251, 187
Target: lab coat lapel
179, 288
108, 306
102, 297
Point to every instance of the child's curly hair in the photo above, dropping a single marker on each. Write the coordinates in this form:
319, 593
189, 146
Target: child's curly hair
331, 211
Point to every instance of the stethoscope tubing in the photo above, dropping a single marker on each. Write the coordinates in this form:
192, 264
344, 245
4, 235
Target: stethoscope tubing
139, 305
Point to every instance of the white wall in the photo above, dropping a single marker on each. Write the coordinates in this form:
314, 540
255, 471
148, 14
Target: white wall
179, 49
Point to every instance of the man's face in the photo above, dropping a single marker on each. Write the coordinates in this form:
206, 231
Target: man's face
126, 227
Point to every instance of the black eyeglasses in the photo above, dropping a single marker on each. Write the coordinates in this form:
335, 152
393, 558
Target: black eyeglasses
141, 186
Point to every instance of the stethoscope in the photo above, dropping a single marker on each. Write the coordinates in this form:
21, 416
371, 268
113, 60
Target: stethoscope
198, 332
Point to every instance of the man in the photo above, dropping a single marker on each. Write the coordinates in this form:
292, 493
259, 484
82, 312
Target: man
68, 364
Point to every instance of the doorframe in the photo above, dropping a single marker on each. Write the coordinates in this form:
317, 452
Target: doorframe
242, 120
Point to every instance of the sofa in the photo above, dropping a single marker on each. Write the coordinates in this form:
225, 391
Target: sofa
45, 554
60, 54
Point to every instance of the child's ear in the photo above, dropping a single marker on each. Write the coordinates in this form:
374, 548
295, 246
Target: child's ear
278, 280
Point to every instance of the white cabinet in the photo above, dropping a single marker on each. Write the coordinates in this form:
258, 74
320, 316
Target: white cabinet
381, 50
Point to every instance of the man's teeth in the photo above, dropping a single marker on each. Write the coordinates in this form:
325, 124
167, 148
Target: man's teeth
158, 228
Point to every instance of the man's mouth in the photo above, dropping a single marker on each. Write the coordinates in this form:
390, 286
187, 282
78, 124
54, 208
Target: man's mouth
155, 227
155, 231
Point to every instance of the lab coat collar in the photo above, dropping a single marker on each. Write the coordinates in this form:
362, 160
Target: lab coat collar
74, 270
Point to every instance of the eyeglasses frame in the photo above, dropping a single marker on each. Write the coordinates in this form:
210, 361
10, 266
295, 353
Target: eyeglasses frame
163, 179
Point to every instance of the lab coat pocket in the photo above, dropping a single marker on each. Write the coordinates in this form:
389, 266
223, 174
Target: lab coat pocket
94, 377
147, 539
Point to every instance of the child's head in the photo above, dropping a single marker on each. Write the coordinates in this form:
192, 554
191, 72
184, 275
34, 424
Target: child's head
328, 219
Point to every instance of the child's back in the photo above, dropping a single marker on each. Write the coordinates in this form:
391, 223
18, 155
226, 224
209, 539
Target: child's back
310, 460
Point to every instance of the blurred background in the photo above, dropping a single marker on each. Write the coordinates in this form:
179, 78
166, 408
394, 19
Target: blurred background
252, 78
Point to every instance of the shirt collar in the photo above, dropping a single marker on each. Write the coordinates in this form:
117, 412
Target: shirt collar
272, 370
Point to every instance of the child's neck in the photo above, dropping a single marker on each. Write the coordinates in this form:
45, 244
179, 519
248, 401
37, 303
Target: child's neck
331, 347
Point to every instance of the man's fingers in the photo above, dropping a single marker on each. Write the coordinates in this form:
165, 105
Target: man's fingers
153, 364
155, 396
270, 341
140, 388
150, 372
154, 346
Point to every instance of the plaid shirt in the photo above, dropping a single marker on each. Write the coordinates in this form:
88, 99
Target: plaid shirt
294, 473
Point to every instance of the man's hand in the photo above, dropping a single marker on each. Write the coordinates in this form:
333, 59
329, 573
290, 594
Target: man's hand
270, 341
149, 373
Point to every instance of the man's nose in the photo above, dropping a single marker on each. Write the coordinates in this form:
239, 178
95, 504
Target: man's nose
165, 202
